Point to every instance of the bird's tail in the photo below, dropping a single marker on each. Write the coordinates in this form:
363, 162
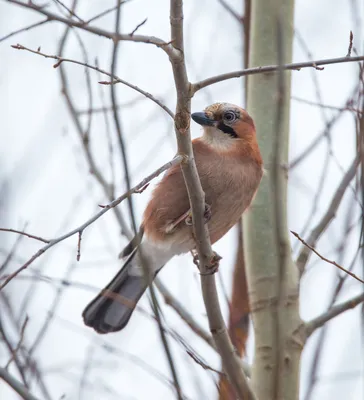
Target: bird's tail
111, 310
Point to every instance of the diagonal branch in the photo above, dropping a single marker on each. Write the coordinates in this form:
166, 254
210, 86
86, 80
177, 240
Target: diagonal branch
271, 68
304, 254
326, 259
16, 385
185, 315
25, 234
166, 47
177, 160
334, 311
114, 78
27, 28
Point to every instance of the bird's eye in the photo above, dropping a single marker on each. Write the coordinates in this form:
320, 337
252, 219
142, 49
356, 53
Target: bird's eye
229, 117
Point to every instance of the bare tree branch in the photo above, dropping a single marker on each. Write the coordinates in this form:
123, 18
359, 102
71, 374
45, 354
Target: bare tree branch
71, 12
328, 106
271, 68
20, 342
304, 254
326, 259
27, 28
230, 360
177, 160
231, 11
334, 311
183, 313
25, 234
105, 12
114, 78
167, 47
16, 385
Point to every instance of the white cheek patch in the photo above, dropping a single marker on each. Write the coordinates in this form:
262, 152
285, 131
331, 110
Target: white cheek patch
218, 139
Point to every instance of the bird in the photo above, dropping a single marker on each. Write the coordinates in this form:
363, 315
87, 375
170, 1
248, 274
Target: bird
230, 167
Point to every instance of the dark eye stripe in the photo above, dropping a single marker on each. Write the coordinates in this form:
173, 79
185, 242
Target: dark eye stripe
227, 129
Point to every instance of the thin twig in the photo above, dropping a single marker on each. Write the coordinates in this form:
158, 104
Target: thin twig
177, 160
71, 12
16, 385
231, 11
329, 215
328, 106
7, 340
85, 138
326, 131
326, 259
271, 68
25, 234
79, 246
27, 28
107, 11
114, 78
184, 314
333, 312
350, 48
202, 363
20, 342
138, 26
166, 47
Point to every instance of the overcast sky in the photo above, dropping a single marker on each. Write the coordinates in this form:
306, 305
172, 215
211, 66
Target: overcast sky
46, 183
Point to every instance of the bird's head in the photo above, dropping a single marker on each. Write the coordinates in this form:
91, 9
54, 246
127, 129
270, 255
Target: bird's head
224, 124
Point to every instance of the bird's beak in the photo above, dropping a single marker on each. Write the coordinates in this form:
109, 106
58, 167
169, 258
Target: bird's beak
202, 119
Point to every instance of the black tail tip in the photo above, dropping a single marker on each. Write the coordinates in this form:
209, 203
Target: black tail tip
100, 326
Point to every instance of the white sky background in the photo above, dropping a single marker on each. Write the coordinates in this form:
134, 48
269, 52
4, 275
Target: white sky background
49, 187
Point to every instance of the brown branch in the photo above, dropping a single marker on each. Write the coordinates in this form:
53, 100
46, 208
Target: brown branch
333, 312
16, 385
78, 257
7, 340
177, 160
231, 11
183, 313
84, 136
325, 133
350, 48
105, 108
328, 106
230, 360
138, 26
167, 47
71, 12
105, 12
25, 234
326, 259
27, 28
14, 352
304, 254
271, 68
114, 78
205, 366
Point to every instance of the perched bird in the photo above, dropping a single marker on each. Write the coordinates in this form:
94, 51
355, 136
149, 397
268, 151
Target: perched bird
230, 167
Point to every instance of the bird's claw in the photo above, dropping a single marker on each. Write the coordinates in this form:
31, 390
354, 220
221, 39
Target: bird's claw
207, 215
213, 266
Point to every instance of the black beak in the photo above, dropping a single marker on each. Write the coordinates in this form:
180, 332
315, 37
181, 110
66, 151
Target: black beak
200, 118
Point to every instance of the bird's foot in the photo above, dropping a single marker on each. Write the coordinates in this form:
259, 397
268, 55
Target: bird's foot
195, 258
207, 215
212, 267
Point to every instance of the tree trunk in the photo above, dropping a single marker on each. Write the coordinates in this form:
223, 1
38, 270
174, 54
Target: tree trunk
272, 275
